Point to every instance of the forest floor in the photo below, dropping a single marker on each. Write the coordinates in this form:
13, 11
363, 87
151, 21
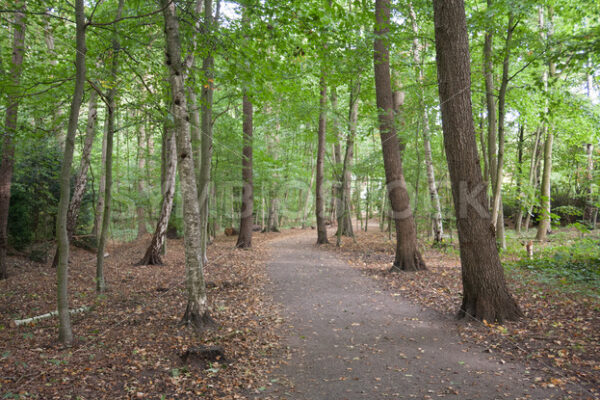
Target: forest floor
378, 335
359, 336
130, 345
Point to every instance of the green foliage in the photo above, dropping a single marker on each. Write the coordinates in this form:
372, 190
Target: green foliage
576, 263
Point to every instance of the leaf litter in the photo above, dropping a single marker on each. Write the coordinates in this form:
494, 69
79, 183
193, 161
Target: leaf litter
130, 344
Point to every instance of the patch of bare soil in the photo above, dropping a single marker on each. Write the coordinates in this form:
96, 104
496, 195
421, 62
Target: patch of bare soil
559, 336
130, 344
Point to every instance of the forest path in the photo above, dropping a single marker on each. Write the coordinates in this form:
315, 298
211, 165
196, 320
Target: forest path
351, 340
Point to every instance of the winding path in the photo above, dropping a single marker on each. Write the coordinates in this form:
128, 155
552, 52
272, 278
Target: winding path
351, 340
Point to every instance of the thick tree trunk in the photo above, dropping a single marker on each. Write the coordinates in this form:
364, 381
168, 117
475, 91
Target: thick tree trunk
65, 334
84, 165
485, 294
319, 199
154, 250
196, 313
408, 257
10, 131
436, 216
246, 216
111, 109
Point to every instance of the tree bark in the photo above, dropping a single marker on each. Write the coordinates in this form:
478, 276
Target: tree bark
408, 257
84, 165
10, 131
485, 294
154, 250
545, 201
436, 217
111, 109
588, 214
65, 334
319, 199
344, 217
246, 216
196, 313
488, 67
140, 203
497, 212
206, 126
519, 216
101, 185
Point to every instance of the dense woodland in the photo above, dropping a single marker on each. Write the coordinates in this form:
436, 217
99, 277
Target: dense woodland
471, 128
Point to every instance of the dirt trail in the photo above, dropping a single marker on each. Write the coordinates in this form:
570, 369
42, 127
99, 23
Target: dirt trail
351, 340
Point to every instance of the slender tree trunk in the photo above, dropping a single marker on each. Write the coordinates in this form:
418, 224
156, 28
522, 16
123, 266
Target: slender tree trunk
111, 109
140, 198
544, 224
344, 216
497, 212
154, 250
485, 294
408, 257
306, 208
519, 216
246, 216
101, 185
206, 125
84, 165
436, 217
65, 334
196, 313
533, 175
488, 67
588, 214
10, 131
545, 202
320, 201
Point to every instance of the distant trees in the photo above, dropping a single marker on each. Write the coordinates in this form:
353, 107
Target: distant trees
10, 130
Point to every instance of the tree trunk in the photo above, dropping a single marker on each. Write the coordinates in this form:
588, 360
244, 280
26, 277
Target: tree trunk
545, 202
485, 294
408, 257
544, 223
196, 313
84, 165
497, 212
111, 109
65, 334
246, 216
101, 186
488, 69
154, 250
206, 146
140, 203
10, 131
520, 142
588, 214
344, 217
320, 201
533, 175
418, 53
